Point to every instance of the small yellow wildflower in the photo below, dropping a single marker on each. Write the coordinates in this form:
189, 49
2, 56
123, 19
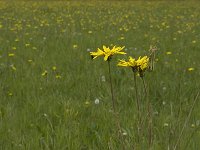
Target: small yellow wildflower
44, 73
168, 53
190, 69
193, 125
54, 68
27, 45
30, 60
194, 42
107, 52
87, 103
58, 76
10, 94
75, 46
89, 32
11, 54
122, 38
14, 48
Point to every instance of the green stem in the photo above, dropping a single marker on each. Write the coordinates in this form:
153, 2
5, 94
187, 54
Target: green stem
137, 105
116, 115
111, 89
150, 139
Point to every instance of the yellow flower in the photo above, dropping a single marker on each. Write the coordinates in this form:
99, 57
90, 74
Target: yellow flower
87, 103
107, 52
142, 63
44, 73
194, 42
27, 44
139, 65
54, 68
30, 60
168, 53
58, 76
190, 69
89, 32
10, 94
123, 63
16, 40
11, 54
75, 46
130, 63
14, 48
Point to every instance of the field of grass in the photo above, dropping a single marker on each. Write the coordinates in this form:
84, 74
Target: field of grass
49, 83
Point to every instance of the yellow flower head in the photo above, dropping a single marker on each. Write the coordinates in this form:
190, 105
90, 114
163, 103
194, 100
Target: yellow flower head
11, 54
107, 52
44, 73
139, 65
130, 63
191, 69
54, 68
142, 63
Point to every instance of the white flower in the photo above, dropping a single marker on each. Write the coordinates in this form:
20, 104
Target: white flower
96, 101
103, 78
166, 124
124, 133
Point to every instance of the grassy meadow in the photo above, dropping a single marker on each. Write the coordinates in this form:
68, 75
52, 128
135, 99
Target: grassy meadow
53, 96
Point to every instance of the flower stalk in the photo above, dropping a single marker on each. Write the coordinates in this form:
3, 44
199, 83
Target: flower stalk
149, 115
138, 107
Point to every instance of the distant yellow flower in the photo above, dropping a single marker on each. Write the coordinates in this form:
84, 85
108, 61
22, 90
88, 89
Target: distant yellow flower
87, 103
14, 48
190, 69
44, 73
30, 60
168, 53
58, 76
10, 94
75, 46
54, 68
194, 42
122, 38
11, 54
27, 45
89, 32
16, 40
107, 52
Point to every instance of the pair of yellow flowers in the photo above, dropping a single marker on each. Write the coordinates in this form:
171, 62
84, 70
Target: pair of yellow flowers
140, 65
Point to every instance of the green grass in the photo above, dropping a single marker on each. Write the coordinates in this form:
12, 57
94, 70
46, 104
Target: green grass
38, 112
